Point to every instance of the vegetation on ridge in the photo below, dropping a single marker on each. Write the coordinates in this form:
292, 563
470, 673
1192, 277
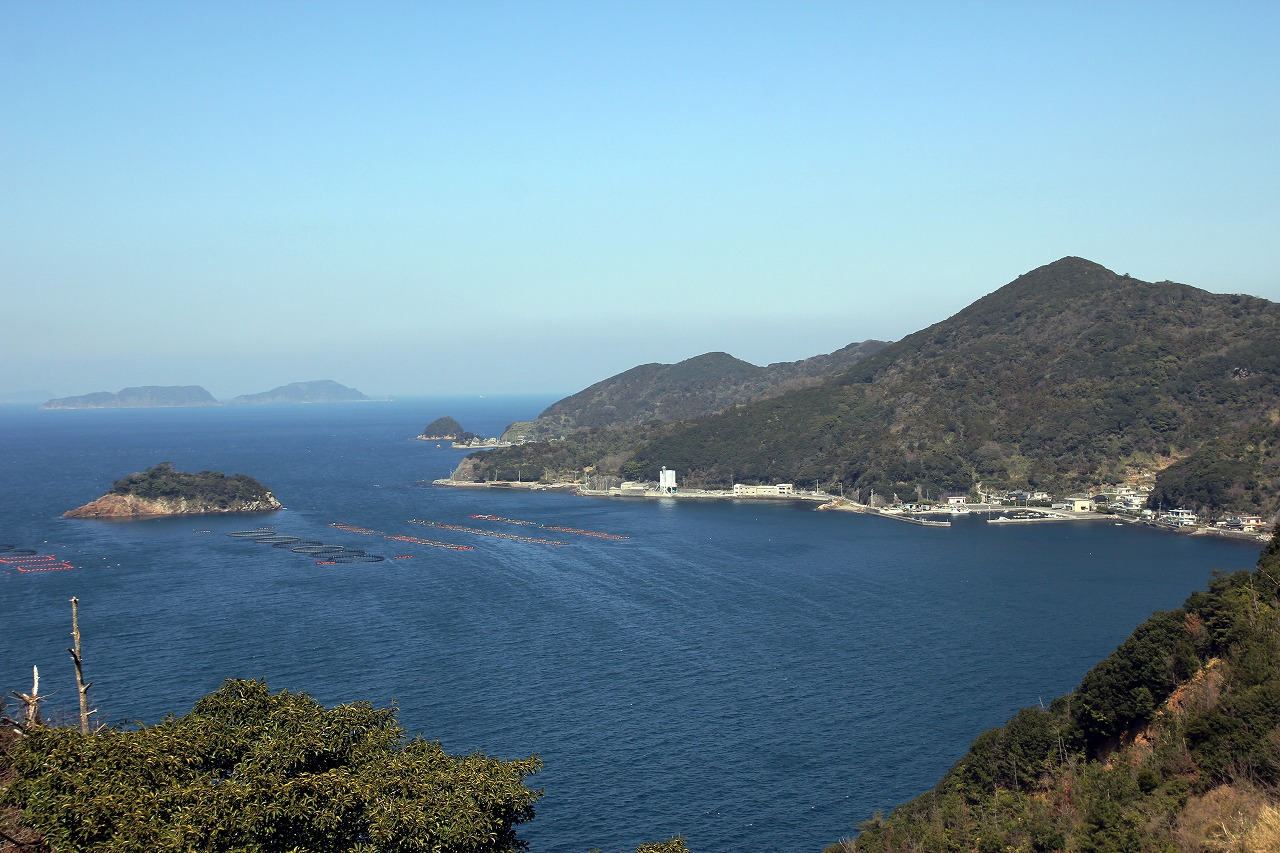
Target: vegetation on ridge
688, 389
162, 482
251, 770
1170, 744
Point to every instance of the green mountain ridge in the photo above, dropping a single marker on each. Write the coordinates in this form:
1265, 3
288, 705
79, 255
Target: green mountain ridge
1068, 377
691, 388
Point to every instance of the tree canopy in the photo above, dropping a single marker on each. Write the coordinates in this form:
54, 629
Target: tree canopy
164, 481
251, 770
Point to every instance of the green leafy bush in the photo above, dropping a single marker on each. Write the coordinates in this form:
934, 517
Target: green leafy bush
251, 770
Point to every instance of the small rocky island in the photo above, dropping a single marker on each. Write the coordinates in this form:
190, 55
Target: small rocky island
161, 490
445, 429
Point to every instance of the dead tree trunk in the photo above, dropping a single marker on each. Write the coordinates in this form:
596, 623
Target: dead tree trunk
30, 703
81, 687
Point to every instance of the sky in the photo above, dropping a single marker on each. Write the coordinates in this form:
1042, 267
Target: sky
501, 197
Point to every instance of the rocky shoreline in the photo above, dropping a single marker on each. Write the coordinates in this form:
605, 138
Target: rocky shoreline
132, 506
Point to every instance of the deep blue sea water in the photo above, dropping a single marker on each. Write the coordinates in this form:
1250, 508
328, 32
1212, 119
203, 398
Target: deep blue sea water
756, 676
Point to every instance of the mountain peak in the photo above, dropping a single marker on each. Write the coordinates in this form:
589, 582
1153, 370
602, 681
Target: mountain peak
1071, 272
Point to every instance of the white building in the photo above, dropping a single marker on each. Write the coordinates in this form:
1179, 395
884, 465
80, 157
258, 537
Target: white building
666, 481
781, 490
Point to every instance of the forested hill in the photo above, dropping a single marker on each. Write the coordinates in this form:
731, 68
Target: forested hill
1068, 376
1170, 744
689, 389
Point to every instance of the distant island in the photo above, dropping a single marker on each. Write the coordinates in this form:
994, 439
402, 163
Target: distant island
162, 490
319, 391
142, 397
171, 396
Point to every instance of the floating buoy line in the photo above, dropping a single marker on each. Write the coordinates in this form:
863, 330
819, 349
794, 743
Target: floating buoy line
595, 533
338, 554
506, 520
433, 543
475, 531
574, 530
351, 528
331, 554
28, 561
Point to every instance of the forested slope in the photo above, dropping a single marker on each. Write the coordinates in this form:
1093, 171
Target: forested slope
1170, 744
1068, 376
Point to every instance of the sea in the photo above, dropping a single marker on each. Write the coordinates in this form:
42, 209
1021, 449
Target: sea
750, 675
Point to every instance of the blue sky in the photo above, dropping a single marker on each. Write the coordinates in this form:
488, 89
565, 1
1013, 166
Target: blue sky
417, 198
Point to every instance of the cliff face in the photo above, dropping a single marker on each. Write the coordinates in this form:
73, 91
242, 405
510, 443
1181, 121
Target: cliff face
132, 506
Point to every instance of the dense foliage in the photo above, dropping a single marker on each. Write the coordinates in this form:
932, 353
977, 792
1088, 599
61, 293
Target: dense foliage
1170, 744
606, 451
162, 481
1233, 472
1069, 376
251, 770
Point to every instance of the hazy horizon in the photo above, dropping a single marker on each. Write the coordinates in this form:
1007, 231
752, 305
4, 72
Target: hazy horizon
422, 199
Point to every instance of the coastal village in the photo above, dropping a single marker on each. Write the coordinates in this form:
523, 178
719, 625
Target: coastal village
1123, 503
1119, 503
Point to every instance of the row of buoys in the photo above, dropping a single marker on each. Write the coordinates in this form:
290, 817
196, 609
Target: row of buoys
432, 542
330, 554
351, 528
475, 531
505, 520
28, 561
577, 532
574, 530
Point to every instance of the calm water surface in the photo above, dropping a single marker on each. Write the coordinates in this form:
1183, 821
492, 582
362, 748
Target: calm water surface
754, 676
